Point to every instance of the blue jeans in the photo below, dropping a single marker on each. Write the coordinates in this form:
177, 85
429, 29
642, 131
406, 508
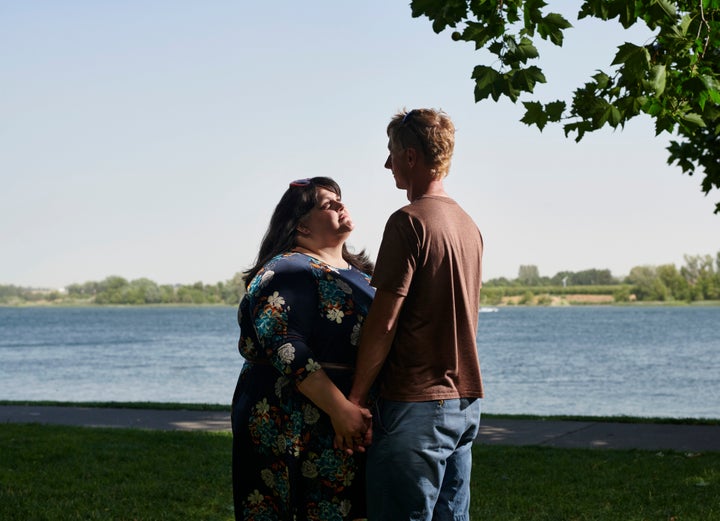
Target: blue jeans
419, 463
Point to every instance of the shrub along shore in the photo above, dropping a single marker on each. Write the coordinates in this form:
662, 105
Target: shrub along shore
696, 281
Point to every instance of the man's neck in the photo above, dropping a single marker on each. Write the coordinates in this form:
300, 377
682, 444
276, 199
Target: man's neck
428, 186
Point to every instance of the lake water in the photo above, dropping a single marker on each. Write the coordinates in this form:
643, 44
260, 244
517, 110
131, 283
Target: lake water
604, 360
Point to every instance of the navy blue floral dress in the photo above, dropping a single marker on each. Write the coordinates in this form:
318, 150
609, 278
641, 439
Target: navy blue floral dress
298, 313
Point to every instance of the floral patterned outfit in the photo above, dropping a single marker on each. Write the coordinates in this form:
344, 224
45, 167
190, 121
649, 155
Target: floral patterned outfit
297, 314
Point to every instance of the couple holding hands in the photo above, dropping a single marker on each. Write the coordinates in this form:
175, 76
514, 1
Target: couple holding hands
360, 394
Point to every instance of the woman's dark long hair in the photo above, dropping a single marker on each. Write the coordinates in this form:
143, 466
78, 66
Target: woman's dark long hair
296, 202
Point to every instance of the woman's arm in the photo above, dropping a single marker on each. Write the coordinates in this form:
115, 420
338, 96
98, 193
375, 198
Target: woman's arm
350, 421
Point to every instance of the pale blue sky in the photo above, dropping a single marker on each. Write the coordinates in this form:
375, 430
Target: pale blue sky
153, 139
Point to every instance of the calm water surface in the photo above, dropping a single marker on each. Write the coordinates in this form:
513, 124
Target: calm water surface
640, 361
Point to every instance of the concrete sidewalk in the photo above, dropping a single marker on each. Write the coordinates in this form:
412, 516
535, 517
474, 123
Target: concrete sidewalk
560, 434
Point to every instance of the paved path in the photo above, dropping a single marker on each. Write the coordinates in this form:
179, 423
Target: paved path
562, 434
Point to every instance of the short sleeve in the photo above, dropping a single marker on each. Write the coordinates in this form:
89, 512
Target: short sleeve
399, 253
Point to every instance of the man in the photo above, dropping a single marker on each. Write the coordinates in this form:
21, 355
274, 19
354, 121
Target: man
419, 337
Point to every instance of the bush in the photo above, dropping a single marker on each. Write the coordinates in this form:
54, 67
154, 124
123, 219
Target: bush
492, 296
544, 300
527, 299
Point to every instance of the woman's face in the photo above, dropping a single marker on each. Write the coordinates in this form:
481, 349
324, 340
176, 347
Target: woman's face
329, 219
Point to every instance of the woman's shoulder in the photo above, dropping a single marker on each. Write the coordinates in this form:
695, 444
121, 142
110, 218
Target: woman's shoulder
281, 269
289, 261
305, 266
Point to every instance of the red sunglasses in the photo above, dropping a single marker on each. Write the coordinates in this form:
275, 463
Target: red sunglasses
301, 182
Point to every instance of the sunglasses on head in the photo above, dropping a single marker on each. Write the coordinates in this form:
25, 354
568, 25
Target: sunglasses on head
301, 182
408, 123
407, 115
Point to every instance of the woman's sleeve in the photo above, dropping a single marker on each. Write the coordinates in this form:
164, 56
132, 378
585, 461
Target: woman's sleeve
283, 312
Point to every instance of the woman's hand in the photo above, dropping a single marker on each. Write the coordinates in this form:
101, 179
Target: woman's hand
353, 428
352, 423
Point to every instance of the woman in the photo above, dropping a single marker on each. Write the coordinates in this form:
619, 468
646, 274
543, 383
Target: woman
300, 319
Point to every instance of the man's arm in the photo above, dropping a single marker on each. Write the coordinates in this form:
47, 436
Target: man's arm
375, 342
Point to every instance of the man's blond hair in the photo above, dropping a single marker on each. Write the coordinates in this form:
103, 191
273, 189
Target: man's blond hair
430, 132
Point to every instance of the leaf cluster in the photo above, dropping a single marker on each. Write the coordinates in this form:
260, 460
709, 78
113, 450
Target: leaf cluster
674, 78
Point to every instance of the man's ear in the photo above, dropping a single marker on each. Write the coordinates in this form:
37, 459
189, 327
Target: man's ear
411, 156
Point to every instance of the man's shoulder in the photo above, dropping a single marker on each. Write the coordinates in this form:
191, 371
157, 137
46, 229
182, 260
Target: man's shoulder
436, 207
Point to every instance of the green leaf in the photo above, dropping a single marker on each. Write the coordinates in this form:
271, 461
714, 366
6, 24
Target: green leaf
594, 8
714, 96
664, 123
710, 82
684, 24
508, 87
557, 20
527, 49
511, 14
600, 119
668, 7
693, 86
629, 53
694, 119
532, 10
551, 27
525, 79
519, 52
624, 52
555, 110
581, 127
657, 79
480, 33
496, 48
624, 10
601, 80
485, 80
534, 114
615, 117
653, 107
630, 106
701, 99
636, 64
443, 14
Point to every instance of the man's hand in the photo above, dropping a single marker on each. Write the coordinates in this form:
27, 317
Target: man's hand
353, 428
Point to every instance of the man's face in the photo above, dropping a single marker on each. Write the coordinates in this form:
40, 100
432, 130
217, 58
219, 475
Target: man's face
397, 163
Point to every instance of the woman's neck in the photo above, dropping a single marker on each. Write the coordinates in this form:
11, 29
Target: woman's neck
331, 256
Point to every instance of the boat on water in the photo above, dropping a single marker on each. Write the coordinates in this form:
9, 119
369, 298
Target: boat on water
486, 309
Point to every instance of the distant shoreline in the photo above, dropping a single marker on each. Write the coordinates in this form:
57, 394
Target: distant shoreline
507, 302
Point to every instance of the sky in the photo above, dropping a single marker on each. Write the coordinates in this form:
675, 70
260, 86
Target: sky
154, 139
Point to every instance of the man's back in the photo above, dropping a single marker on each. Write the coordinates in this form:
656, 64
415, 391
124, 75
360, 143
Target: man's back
431, 254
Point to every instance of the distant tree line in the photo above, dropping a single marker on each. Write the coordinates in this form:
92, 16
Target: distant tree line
119, 291
698, 279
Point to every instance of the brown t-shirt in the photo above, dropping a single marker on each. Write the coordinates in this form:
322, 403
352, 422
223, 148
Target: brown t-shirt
431, 253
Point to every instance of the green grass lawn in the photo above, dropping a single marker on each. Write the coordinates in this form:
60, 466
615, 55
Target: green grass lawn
68, 473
